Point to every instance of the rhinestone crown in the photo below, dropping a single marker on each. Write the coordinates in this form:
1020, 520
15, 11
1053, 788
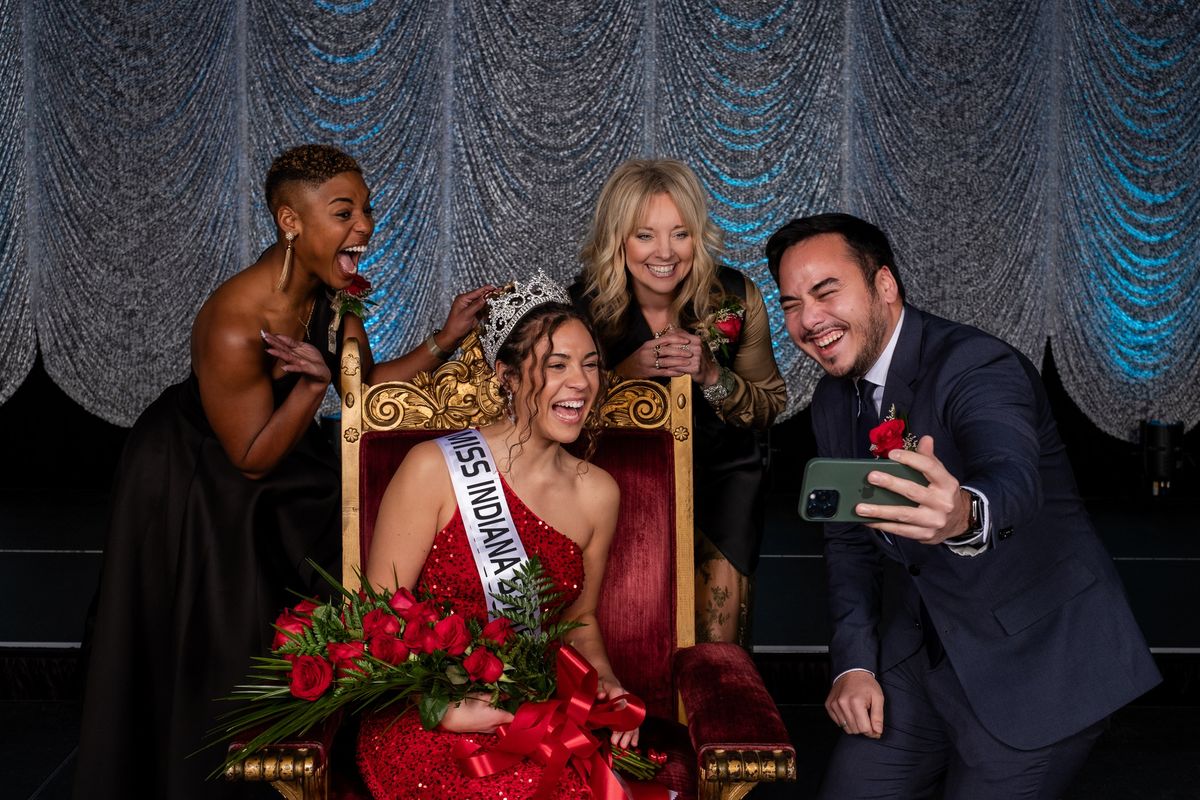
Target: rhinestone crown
507, 308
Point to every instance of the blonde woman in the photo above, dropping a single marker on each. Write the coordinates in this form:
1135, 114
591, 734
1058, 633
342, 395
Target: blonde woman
663, 306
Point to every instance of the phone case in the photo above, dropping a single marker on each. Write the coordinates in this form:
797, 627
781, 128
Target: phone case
846, 478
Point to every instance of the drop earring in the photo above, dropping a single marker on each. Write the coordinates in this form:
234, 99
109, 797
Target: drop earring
287, 263
506, 396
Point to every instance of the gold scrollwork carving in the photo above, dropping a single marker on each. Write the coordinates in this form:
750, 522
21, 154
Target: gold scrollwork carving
641, 404
350, 364
351, 435
464, 393
455, 395
681, 433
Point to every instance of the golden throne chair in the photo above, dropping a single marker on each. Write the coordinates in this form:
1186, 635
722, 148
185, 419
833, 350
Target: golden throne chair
709, 710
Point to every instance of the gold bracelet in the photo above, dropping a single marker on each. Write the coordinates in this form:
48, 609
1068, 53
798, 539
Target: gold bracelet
435, 348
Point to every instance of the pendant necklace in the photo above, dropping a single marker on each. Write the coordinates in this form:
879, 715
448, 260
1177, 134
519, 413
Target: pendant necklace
306, 321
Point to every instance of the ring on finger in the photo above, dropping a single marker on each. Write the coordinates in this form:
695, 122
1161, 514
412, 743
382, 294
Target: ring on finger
685, 347
656, 366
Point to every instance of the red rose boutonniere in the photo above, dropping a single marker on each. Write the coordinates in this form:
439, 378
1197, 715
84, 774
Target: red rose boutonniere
351, 300
724, 326
891, 434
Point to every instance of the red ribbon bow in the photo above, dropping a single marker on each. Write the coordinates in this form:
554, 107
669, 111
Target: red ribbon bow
557, 732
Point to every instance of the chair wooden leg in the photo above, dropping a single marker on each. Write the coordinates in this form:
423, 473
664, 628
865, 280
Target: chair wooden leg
731, 774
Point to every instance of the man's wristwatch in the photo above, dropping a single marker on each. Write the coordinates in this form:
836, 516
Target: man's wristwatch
974, 520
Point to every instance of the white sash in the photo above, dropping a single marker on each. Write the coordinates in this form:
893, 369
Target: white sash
491, 532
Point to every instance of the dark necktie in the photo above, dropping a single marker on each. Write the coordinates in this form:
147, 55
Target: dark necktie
866, 417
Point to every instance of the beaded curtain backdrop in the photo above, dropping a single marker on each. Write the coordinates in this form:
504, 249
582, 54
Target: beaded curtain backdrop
1036, 163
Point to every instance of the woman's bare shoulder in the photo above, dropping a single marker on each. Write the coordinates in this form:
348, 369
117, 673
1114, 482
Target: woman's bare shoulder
596, 486
233, 312
424, 460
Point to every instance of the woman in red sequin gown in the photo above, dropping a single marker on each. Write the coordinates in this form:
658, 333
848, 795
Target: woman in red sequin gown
565, 511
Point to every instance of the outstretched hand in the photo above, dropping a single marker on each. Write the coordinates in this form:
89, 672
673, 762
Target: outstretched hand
607, 688
464, 313
942, 510
299, 357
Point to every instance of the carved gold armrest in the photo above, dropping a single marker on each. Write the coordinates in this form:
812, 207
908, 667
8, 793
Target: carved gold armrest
297, 773
731, 774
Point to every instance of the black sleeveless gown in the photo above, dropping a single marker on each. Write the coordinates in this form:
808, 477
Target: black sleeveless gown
197, 565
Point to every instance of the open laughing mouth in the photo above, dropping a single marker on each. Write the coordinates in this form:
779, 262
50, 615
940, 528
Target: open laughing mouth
661, 270
569, 411
348, 258
828, 338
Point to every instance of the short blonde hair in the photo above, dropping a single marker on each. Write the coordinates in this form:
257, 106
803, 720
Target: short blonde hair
619, 210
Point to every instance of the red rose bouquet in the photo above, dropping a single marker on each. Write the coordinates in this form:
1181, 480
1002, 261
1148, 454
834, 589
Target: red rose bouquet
371, 649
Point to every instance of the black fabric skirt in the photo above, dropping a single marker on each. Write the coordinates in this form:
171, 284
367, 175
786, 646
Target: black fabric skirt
198, 563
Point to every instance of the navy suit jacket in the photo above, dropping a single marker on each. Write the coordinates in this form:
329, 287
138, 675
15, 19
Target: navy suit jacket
1037, 627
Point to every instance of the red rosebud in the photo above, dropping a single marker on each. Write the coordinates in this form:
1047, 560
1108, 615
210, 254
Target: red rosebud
359, 286
656, 756
730, 327
419, 613
378, 622
286, 626
342, 654
401, 601
452, 635
389, 649
498, 631
420, 638
310, 677
886, 437
305, 608
482, 666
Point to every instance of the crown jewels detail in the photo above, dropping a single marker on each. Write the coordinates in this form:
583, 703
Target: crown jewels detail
507, 308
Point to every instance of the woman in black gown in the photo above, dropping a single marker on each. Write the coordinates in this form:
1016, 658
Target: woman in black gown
226, 488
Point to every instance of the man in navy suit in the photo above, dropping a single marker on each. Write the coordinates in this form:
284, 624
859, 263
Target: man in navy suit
981, 638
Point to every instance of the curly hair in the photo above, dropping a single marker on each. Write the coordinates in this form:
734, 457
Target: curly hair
517, 352
310, 164
619, 210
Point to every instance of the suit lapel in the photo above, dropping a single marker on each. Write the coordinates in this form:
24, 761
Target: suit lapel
906, 361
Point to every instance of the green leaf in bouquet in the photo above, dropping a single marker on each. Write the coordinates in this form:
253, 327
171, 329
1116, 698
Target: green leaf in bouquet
432, 708
457, 675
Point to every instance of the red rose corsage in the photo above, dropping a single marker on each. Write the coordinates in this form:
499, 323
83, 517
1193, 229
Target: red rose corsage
891, 434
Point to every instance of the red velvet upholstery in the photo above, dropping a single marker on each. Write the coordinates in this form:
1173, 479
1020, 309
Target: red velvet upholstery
379, 454
718, 683
637, 608
637, 601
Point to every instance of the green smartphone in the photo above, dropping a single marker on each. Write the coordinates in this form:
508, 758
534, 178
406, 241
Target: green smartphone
832, 487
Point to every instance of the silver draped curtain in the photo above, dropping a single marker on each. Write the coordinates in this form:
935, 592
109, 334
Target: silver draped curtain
1036, 163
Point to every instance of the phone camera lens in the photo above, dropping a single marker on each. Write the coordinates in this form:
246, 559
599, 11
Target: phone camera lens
822, 503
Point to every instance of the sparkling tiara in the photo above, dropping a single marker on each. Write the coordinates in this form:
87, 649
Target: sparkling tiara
510, 305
